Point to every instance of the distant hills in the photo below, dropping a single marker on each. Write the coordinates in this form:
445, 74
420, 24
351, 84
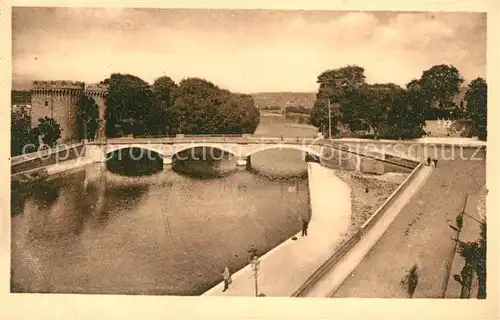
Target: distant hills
262, 99
21, 83
280, 99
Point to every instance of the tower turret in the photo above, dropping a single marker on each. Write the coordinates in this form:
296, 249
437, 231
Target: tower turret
58, 100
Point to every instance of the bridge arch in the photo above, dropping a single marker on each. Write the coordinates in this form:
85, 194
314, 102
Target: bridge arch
153, 148
232, 149
316, 150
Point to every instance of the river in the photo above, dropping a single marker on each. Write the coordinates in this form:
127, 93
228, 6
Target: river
170, 233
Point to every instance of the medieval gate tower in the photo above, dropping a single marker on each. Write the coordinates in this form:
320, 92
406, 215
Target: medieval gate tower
59, 100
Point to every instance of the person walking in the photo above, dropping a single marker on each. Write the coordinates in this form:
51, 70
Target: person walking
429, 161
227, 278
435, 162
305, 225
410, 280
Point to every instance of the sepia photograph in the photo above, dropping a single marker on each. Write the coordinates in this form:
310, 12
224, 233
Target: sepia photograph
248, 152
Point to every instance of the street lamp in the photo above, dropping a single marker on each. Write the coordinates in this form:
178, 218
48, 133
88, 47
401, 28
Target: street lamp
329, 110
255, 263
329, 119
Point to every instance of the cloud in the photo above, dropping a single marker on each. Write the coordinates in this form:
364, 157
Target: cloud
243, 51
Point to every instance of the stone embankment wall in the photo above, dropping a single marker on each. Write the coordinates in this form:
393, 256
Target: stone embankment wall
36, 160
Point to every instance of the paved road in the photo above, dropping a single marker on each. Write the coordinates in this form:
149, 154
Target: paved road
336, 275
420, 235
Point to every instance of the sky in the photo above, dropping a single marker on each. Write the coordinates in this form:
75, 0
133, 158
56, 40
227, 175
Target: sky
241, 50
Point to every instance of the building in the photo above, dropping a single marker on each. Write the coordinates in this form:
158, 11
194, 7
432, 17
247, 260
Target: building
21, 103
59, 100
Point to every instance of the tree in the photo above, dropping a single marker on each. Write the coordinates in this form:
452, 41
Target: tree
87, 117
319, 113
130, 101
50, 131
22, 137
474, 254
481, 263
245, 116
164, 90
475, 109
337, 79
162, 118
406, 116
367, 107
335, 85
440, 85
202, 107
196, 106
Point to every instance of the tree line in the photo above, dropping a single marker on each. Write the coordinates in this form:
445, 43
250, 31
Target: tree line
288, 109
393, 112
193, 106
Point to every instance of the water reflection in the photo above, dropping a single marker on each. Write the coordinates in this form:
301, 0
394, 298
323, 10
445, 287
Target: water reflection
134, 162
96, 231
204, 163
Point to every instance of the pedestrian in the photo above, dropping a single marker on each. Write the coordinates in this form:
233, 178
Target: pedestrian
429, 161
227, 279
435, 162
410, 280
305, 224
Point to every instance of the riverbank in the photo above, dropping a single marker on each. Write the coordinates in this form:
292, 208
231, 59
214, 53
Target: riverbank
285, 268
420, 235
364, 203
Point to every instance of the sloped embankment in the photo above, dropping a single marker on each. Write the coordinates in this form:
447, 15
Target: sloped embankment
368, 192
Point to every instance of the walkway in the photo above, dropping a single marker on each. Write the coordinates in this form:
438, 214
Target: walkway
285, 268
421, 235
337, 275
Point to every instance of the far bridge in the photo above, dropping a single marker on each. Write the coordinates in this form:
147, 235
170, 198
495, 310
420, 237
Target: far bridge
240, 147
333, 153
354, 154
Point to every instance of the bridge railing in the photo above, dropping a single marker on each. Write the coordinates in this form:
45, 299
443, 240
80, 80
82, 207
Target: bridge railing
46, 157
323, 269
390, 200
396, 160
242, 139
42, 153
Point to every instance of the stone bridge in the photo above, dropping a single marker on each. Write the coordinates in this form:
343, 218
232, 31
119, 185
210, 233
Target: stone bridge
168, 148
331, 153
354, 154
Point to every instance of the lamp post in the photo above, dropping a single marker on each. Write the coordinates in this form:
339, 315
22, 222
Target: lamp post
329, 109
255, 263
329, 119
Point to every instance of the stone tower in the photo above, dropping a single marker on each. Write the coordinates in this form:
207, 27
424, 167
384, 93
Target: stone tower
59, 100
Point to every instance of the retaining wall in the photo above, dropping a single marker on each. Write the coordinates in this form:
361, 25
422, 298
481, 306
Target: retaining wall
35, 160
356, 238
